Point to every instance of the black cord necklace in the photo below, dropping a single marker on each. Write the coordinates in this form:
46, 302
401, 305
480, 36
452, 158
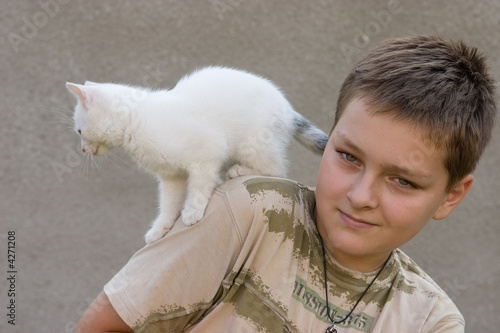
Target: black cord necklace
331, 328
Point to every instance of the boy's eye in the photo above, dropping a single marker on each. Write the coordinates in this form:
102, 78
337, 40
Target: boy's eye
349, 158
405, 183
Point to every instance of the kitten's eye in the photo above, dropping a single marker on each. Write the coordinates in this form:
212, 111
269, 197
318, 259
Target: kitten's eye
80, 132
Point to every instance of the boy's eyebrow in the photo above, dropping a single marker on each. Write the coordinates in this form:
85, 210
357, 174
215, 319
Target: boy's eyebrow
390, 168
346, 141
406, 172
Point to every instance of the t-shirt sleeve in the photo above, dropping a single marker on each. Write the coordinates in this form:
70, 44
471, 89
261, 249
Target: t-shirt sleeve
445, 318
178, 278
449, 325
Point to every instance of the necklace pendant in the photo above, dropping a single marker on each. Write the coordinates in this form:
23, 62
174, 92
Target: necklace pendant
331, 329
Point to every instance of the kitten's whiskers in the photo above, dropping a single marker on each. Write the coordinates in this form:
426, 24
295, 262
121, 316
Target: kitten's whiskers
60, 117
89, 166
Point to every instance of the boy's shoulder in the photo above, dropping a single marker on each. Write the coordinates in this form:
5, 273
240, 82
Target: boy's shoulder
267, 199
416, 284
258, 186
414, 303
416, 275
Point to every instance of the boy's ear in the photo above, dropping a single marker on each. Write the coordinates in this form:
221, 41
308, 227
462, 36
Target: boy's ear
454, 197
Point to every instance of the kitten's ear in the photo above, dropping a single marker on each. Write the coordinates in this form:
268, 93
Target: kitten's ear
80, 92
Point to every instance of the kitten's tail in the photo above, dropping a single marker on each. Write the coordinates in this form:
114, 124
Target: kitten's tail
309, 135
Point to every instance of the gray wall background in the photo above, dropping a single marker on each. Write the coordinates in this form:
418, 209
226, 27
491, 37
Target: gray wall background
77, 223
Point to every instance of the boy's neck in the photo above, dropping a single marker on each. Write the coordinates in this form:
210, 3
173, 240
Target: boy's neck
357, 263
363, 264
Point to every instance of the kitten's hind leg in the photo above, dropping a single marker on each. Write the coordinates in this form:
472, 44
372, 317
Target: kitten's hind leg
172, 194
238, 170
202, 180
266, 159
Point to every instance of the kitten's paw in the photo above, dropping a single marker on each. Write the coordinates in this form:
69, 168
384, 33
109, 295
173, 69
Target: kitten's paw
191, 216
155, 234
240, 170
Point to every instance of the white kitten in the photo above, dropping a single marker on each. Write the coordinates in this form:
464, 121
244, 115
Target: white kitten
214, 120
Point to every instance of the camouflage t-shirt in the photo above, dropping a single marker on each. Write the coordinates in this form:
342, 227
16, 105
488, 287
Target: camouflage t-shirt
254, 264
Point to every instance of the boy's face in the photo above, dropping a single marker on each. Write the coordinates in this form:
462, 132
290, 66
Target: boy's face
378, 186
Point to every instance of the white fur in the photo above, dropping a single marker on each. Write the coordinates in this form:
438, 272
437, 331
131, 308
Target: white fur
214, 120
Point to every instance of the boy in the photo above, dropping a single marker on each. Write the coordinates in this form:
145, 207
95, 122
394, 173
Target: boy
271, 255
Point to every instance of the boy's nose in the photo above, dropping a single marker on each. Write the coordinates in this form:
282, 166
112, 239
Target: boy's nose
363, 193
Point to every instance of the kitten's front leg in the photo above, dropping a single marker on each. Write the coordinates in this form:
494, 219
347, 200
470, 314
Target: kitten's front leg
201, 183
172, 193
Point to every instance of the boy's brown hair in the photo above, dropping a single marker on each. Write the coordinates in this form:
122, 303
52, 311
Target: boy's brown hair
440, 86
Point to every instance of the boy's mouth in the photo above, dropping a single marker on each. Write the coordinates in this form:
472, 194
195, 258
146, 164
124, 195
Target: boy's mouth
355, 223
